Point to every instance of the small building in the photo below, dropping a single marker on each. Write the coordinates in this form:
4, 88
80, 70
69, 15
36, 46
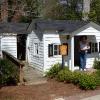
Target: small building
13, 39
45, 36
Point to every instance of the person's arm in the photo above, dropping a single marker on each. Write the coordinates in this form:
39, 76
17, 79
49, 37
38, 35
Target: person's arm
88, 46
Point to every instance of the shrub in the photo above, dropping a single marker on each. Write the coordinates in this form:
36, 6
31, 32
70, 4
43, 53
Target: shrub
87, 82
65, 75
96, 64
9, 73
76, 77
53, 71
97, 77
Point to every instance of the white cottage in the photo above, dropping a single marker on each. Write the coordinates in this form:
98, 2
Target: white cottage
13, 39
45, 36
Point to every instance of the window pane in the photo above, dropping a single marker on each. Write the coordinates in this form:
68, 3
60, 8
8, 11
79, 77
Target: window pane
93, 50
55, 53
36, 48
55, 47
96, 47
50, 50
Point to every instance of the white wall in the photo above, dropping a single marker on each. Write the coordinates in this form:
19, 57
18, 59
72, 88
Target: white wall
51, 37
89, 31
33, 60
9, 44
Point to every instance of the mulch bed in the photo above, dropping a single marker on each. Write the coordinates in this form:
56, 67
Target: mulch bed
52, 89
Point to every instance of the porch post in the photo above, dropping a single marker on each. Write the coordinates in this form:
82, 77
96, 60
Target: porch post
72, 53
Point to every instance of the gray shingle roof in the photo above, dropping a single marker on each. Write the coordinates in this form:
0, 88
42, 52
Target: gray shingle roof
65, 25
18, 28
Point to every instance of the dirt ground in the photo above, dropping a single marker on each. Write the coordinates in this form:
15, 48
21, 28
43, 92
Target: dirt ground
48, 91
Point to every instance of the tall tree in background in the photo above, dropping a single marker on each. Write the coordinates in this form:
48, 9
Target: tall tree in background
32, 9
95, 11
56, 9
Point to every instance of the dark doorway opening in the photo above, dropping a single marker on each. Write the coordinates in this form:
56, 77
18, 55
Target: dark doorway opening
21, 46
76, 51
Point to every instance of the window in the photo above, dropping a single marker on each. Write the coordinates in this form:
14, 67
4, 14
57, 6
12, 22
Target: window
93, 48
36, 51
53, 49
56, 50
50, 50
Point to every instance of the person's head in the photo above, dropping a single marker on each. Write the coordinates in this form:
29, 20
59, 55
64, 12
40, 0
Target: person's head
83, 39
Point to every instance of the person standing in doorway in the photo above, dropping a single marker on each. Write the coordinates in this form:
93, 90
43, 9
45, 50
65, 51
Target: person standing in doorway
83, 48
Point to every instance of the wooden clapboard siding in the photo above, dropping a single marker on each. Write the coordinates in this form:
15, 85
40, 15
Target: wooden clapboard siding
52, 38
9, 44
35, 61
43, 62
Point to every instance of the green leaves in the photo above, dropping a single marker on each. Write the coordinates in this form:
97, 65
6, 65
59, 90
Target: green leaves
9, 73
96, 64
53, 71
95, 11
65, 75
53, 10
87, 82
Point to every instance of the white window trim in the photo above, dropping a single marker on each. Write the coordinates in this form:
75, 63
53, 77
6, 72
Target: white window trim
54, 50
35, 49
93, 48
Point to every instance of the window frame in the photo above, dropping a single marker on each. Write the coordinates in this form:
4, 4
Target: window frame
58, 50
94, 47
36, 49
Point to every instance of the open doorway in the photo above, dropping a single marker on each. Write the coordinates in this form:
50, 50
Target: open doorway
76, 51
21, 46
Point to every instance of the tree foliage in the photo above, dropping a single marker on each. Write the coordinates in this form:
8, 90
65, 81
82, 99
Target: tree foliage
54, 10
95, 11
32, 8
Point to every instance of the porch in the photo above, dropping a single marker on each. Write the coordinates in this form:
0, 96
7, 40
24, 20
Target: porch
92, 53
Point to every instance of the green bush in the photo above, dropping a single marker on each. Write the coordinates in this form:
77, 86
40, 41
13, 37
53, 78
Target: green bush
96, 64
87, 82
76, 77
82, 79
65, 75
97, 77
9, 73
53, 71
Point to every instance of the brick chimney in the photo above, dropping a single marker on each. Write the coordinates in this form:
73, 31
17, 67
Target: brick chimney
86, 9
4, 11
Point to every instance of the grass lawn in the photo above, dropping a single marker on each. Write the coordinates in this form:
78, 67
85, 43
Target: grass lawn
52, 89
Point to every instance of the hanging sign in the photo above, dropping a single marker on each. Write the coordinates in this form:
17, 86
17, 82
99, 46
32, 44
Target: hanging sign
63, 50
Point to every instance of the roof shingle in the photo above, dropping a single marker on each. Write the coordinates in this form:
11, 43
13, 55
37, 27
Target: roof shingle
18, 28
65, 25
